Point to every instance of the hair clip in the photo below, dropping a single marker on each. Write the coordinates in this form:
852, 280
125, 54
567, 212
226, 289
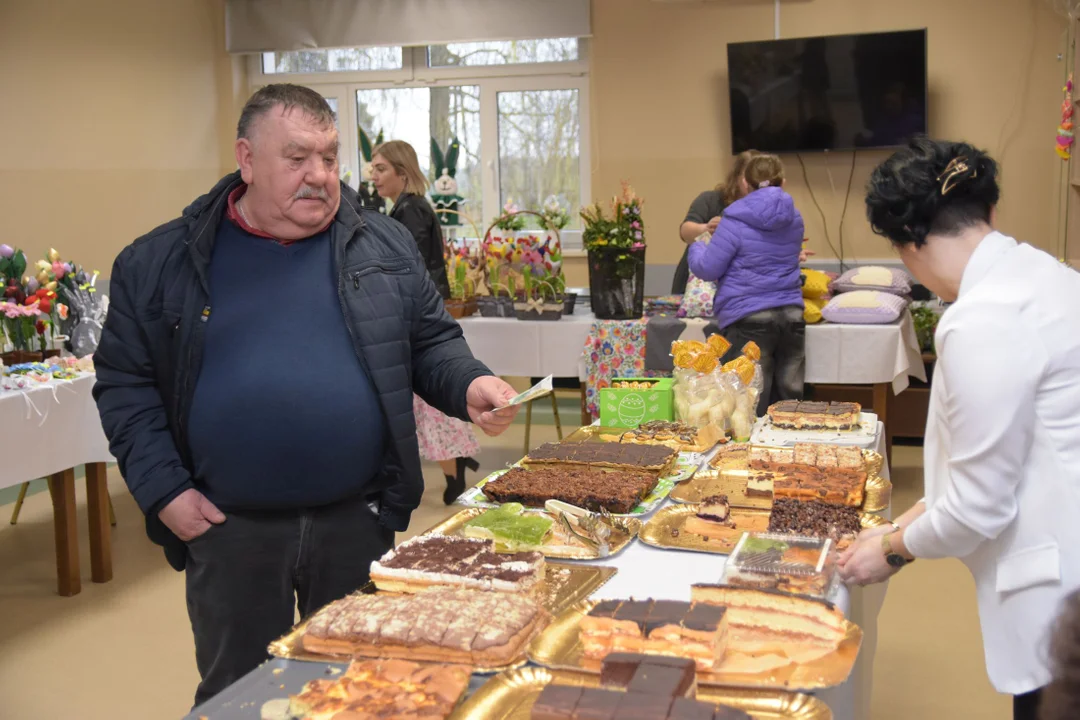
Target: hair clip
764, 184
953, 174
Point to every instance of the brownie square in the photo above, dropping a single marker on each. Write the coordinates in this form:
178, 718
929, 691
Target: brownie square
619, 668
687, 709
638, 706
666, 612
556, 702
661, 680
598, 704
704, 617
605, 608
635, 611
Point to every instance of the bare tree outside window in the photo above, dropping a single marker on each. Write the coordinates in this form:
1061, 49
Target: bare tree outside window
335, 60
539, 149
508, 52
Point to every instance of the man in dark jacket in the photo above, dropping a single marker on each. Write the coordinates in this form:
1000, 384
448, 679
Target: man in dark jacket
255, 380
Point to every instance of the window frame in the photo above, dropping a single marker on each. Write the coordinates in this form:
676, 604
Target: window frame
492, 79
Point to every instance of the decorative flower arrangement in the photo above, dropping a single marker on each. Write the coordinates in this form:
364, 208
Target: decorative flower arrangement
39, 296
623, 231
555, 213
510, 220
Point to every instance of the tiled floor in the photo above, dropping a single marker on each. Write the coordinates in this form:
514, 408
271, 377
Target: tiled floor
123, 650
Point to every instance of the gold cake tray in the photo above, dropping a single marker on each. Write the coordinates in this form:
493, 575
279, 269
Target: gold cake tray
565, 585
510, 696
559, 648
665, 529
618, 541
728, 472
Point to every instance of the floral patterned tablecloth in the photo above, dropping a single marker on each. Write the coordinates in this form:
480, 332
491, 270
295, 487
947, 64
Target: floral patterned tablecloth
614, 349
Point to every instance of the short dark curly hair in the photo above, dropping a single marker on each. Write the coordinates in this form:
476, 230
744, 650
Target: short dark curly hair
931, 186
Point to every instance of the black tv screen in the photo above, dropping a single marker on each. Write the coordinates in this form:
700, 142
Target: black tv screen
837, 92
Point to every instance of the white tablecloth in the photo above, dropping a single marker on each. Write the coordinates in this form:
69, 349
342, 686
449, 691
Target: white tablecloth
48, 429
646, 571
842, 354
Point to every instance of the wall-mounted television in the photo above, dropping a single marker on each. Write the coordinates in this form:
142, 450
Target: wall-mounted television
836, 92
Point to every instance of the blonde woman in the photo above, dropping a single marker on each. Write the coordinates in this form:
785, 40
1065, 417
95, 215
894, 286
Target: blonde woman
395, 172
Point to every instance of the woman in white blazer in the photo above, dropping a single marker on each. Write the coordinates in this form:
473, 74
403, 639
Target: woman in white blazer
1001, 457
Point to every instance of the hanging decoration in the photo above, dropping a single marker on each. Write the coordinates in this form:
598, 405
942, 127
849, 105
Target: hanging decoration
444, 189
1065, 138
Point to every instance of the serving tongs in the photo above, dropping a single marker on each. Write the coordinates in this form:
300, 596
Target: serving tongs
593, 529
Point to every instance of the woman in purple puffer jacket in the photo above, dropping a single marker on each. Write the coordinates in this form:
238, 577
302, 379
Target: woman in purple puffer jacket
754, 257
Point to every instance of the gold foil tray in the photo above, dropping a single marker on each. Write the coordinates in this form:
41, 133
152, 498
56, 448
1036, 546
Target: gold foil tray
665, 529
618, 541
564, 586
728, 476
510, 696
559, 648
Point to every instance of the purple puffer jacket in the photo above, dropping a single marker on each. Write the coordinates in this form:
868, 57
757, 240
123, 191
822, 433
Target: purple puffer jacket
754, 256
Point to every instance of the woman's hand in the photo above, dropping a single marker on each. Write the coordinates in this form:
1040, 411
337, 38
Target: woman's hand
712, 225
804, 254
864, 562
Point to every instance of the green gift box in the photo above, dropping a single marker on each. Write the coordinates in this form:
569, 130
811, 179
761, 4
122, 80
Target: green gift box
630, 408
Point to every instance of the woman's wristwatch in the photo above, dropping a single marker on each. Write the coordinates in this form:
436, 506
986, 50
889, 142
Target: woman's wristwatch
894, 559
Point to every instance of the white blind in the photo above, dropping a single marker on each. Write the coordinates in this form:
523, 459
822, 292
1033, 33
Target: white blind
253, 26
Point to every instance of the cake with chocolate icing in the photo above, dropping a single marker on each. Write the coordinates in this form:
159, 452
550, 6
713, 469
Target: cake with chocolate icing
430, 560
814, 519
676, 435
617, 491
661, 627
658, 458
567, 702
808, 415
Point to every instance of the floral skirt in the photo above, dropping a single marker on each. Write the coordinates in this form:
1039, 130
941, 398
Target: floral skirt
442, 437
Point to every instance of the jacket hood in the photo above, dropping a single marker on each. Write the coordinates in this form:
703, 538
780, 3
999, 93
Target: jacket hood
769, 209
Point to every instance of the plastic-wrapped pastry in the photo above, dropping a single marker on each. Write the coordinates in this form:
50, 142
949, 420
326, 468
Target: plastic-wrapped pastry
719, 345
752, 351
741, 425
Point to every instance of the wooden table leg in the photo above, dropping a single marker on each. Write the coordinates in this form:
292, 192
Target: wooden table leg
881, 408
97, 507
62, 490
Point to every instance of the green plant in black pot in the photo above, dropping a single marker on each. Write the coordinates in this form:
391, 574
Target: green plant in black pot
926, 320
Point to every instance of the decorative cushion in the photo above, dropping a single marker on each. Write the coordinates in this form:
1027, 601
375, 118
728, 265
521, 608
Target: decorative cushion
697, 302
864, 307
873, 277
816, 284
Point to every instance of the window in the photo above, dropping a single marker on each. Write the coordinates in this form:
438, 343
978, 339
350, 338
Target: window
510, 52
519, 108
539, 148
419, 115
337, 60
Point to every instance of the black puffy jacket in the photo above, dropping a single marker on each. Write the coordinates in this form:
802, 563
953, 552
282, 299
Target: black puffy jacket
151, 349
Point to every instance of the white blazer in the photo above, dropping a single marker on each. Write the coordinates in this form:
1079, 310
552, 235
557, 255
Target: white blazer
1002, 450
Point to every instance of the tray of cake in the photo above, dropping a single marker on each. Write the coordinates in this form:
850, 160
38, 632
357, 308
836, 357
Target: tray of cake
629, 687
752, 475
445, 599
735, 636
621, 479
715, 526
842, 423
559, 530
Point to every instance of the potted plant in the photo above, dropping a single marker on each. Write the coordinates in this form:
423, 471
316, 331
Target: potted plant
542, 297
462, 302
616, 253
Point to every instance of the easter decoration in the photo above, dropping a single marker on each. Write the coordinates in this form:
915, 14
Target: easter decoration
708, 393
444, 188
616, 251
1065, 138
369, 198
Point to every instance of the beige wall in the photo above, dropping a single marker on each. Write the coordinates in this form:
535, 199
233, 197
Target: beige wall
115, 115
660, 105
118, 113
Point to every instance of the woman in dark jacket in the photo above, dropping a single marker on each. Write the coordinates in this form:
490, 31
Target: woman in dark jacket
395, 171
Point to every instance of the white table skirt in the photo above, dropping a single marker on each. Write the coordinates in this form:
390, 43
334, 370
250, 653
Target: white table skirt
841, 354
48, 429
646, 571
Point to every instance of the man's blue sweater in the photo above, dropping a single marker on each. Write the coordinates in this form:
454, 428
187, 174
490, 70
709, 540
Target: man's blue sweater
284, 413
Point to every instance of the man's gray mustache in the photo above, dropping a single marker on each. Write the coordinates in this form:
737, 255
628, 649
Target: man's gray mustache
307, 193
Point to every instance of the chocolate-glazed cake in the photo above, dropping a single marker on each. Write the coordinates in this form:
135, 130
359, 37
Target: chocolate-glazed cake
556, 702
798, 415
672, 628
617, 491
659, 458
